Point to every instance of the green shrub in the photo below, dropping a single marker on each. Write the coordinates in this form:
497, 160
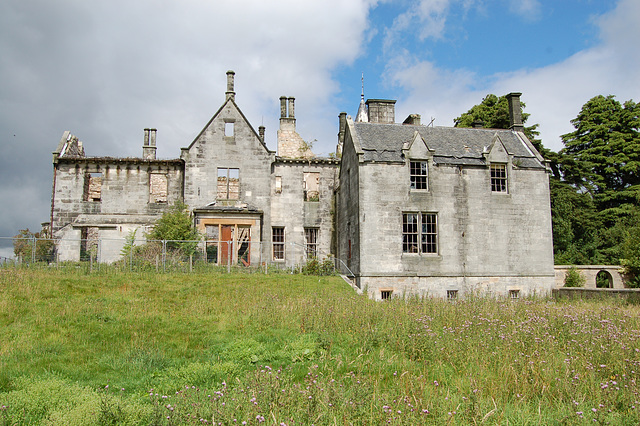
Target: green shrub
574, 278
315, 267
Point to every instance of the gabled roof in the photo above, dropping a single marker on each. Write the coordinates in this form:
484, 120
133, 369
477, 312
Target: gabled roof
233, 102
450, 145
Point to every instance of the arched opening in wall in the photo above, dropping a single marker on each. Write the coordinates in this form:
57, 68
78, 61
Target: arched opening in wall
604, 280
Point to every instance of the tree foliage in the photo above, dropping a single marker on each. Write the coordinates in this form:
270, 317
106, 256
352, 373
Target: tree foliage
23, 245
177, 228
602, 155
493, 112
600, 163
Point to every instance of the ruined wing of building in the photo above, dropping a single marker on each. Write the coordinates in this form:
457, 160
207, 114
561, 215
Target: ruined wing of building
407, 209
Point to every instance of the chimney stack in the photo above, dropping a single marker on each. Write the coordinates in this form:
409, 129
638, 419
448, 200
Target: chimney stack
283, 107
381, 111
292, 108
230, 93
149, 146
261, 132
515, 112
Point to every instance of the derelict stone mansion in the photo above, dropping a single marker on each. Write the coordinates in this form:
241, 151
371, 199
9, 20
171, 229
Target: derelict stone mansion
407, 208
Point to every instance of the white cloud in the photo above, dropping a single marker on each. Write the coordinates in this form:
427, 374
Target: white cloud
106, 70
554, 94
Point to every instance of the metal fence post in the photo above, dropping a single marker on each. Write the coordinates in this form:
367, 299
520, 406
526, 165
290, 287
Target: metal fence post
164, 255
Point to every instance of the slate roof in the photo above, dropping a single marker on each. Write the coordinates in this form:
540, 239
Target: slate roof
451, 145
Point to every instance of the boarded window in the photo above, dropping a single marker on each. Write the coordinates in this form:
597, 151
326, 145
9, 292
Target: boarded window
499, 178
311, 186
418, 174
277, 239
92, 187
228, 184
311, 242
157, 188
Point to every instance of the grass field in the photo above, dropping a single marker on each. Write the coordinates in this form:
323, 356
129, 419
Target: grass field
119, 348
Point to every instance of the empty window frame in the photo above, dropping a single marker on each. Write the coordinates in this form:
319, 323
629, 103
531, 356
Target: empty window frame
311, 185
452, 294
386, 294
92, 187
514, 294
420, 233
311, 242
418, 174
499, 178
229, 128
277, 241
228, 184
157, 188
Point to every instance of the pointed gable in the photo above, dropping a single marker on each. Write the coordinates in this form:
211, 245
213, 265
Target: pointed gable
417, 148
496, 152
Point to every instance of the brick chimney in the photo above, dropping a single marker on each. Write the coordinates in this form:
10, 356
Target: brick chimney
381, 111
515, 112
230, 82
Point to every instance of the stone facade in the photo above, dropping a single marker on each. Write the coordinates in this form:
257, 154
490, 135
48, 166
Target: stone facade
408, 209
227, 176
442, 211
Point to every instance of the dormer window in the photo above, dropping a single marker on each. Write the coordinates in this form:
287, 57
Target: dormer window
499, 178
418, 174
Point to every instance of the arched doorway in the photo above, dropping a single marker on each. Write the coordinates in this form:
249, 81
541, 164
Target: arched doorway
604, 279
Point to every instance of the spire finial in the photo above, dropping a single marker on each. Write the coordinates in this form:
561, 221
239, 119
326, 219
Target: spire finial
362, 95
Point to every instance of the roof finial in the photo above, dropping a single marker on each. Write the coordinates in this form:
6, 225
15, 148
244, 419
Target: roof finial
362, 116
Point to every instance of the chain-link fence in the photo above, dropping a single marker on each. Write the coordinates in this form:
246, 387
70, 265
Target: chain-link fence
171, 256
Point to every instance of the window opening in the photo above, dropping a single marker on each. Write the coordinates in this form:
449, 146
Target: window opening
89, 237
244, 245
418, 174
277, 240
229, 128
452, 294
213, 242
92, 187
311, 186
311, 242
278, 184
157, 188
228, 184
421, 227
386, 294
514, 294
499, 178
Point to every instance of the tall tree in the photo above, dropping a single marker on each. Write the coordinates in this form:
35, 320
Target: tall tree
601, 161
602, 156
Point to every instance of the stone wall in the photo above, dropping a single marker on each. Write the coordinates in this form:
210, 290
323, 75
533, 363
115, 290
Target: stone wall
112, 197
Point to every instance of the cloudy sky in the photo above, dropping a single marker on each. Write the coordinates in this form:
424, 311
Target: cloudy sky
106, 69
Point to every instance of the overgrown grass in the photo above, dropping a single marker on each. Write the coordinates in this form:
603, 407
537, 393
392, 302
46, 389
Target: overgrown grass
146, 348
